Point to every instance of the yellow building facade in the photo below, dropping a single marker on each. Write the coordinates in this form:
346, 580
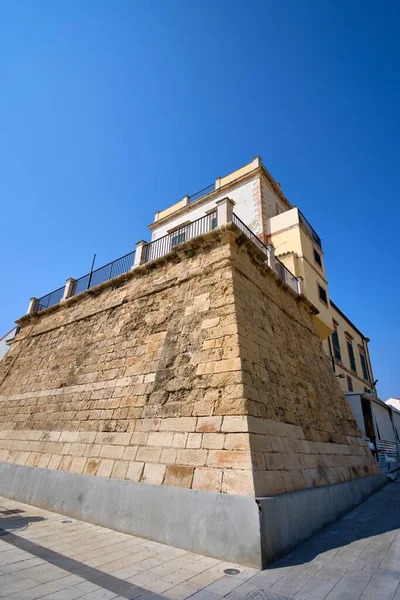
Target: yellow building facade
260, 204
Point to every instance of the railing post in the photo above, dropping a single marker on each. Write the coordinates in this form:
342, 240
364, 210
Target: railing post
186, 200
224, 211
300, 285
271, 257
140, 254
218, 183
33, 306
69, 289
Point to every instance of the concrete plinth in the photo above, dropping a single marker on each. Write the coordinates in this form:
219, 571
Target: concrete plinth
240, 529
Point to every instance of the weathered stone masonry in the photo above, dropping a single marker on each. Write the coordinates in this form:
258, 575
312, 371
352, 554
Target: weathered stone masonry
198, 370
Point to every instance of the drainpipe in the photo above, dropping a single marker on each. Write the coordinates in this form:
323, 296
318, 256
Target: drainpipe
330, 352
371, 376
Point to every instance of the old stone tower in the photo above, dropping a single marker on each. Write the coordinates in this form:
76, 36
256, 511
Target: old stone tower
184, 401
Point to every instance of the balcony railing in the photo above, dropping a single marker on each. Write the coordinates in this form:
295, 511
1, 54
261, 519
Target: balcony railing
274, 262
102, 274
310, 229
50, 299
252, 236
162, 247
165, 244
202, 193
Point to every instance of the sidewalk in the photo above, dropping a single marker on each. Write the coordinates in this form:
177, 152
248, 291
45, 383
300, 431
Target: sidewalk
44, 555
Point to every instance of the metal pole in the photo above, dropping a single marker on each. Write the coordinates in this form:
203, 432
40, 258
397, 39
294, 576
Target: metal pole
91, 272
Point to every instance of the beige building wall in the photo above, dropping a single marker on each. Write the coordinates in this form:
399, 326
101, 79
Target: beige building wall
296, 249
353, 376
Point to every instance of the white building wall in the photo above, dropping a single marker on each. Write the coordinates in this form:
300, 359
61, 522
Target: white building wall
384, 422
4, 346
356, 408
272, 203
245, 198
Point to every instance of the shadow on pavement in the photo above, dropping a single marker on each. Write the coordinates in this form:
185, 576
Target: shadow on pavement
95, 576
378, 514
18, 522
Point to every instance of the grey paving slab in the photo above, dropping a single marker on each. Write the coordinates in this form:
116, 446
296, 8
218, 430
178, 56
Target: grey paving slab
356, 558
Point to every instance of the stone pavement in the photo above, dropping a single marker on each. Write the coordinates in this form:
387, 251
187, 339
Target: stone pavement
44, 555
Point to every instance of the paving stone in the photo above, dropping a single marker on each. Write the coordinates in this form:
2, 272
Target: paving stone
267, 595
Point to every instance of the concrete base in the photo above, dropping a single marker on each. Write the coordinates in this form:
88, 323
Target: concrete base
218, 525
289, 519
233, 528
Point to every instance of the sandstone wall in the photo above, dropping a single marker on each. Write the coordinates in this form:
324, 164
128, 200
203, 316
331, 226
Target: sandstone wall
302, 431
196, 370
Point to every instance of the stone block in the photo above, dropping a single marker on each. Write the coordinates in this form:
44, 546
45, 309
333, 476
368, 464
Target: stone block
231, 364
194, 440
160, 438
135, 470
233, 459
191, 457
120, 469
238, 482
209, 424
268, 483
105, 467
180, 440
185, 424
274, 461
168, 456
147, 454
77, 464
179, 476
213, 441
208, 323
293, 461
130, 453
115, 452
92, 466
153, 473
69, 436
234, 424
237, 441
207, 479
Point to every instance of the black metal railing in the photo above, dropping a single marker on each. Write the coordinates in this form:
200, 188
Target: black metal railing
278, 266
310, 229
109, 271
165, 244
102, 274
286, 275
161, 247
50, 299
252, 236
202, 193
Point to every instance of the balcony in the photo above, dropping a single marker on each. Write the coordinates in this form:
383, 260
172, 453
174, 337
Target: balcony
310, 229
289, 219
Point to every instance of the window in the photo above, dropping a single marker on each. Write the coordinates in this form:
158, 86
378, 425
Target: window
364, 365
178, 237
351, 355
322, 295
349, 383
317, 258
336, 345
212, 218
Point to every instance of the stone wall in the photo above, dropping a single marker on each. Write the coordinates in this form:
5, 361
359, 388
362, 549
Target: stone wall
302, 431
196, 370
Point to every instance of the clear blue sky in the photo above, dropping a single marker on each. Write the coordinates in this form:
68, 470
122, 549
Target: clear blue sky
110, 110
